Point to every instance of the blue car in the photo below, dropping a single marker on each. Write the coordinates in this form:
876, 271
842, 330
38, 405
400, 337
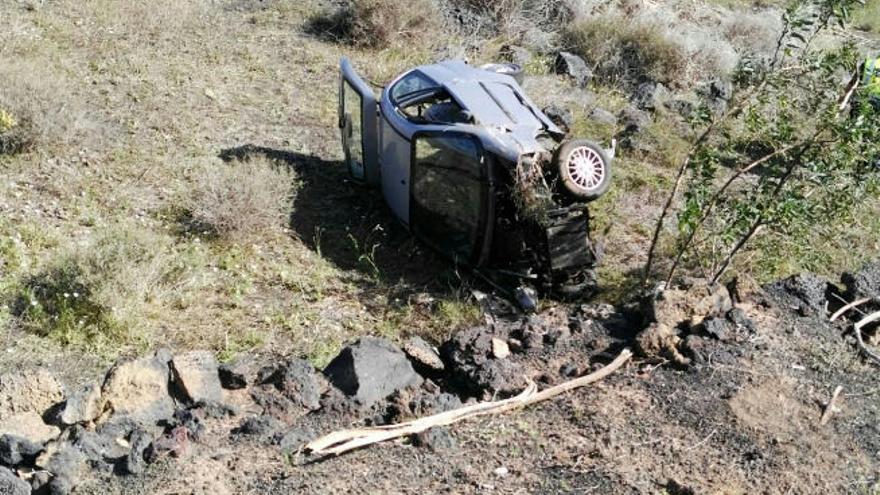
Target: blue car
477, 172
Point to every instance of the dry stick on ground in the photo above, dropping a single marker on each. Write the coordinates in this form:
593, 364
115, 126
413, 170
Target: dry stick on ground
858, 329
829, 408
849, 306
339, 442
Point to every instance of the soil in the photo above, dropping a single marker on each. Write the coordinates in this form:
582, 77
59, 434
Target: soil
742, 418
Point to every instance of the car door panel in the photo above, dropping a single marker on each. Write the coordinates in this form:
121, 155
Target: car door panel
358, 125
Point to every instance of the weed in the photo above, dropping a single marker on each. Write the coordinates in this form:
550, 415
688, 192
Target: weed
240, 200
377, 23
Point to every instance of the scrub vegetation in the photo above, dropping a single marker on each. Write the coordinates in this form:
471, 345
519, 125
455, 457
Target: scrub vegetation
171, 175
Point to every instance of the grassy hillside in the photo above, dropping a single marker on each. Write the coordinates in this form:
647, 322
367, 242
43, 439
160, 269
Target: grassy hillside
179, 179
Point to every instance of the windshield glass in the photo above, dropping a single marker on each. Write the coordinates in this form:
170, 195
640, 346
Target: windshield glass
414, 82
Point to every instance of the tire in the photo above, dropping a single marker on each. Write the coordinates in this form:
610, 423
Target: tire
513, 70
583, 168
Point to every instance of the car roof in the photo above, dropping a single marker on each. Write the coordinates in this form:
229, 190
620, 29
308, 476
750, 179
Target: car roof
495, 100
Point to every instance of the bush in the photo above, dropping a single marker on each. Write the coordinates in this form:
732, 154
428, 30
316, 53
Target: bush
36, 109
626, 53
96, 296
377, 23
240, 200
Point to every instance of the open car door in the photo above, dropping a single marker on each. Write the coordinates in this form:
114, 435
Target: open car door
357, 121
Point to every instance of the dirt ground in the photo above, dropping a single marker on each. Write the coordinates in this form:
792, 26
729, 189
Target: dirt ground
744, 418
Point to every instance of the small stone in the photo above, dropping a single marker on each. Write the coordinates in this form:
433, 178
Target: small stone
14, 450
232, 377
10, 484
370, 370
422, 353
173, 443
437, 439
135, 461
501, 472
298, 382
739, 318
499, 348
573, 66
515, 54
295, 438
258, 425
863, 283
649, 96
39, 480
197, 376
717, 327
82, 406
568, 370
603, 116
560, 116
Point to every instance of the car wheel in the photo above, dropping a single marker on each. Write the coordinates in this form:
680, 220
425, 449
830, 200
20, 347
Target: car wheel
513, 70
584, 169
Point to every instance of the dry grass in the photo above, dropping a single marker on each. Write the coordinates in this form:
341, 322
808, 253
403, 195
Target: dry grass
239, 200
625, 53
378, 23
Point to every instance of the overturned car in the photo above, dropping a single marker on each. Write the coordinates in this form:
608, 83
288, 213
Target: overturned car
476, 171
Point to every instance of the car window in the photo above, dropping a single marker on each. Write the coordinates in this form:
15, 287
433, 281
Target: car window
412, 83
448, 194
353, 102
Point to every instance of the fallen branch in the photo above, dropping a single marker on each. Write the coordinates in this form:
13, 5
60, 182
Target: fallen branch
829, 408
849, 306
858, 329
339, 442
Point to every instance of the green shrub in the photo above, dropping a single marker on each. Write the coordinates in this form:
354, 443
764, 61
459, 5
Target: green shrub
97, 296
622, 52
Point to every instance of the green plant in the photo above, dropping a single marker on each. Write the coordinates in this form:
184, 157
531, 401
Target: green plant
7, 121
785, 158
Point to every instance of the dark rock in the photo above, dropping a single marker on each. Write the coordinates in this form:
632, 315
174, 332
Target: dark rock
685, 108
573, 66
67, 465
469, 355
81, 406
427, 404
532, 339
717, 327
603, 116
98, 449
717, 94
174, 443
423, 354
370, 370
135, 461
805, 292
560, 116
863, 283
634, 122
258, 426
15, 450
232, 377
437, 438
294, 438
298, 382
39, 481
10, 484
568, 370
738, 317
649, 96
216, 410
189, 420
557, 335
696, 348
515, 54
196, 374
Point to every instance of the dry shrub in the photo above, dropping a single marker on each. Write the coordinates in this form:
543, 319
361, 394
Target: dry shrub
43, 108
625, 52
515, 17
378, 23
753, 34
242, 199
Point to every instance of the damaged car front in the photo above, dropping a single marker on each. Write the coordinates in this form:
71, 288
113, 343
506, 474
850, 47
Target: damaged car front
475, 170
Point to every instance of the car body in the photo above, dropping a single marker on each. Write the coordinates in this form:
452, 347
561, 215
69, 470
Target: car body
465, 161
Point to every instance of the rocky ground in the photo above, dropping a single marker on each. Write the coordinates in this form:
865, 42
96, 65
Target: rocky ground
726, 397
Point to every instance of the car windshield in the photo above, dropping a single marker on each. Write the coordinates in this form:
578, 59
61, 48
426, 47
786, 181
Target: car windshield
412, 83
